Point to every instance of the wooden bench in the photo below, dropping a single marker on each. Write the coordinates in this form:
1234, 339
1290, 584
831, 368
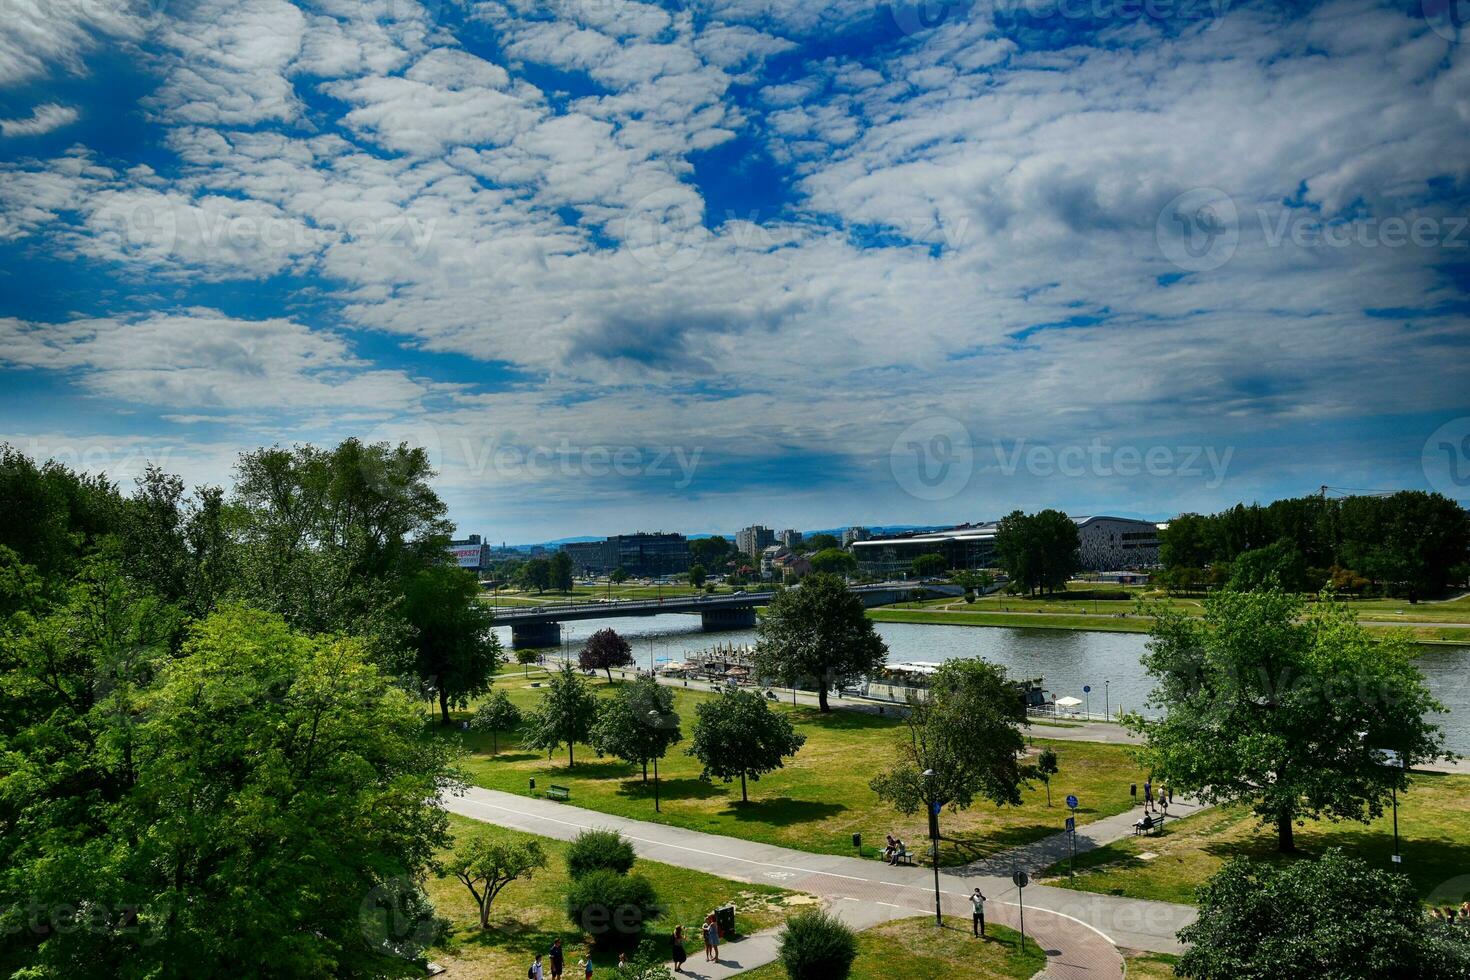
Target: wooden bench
905, 858
558, 793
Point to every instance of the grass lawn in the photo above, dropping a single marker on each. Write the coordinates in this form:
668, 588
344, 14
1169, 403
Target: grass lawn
1150, 966
915, 948
814, 804
528, 915
1434, 832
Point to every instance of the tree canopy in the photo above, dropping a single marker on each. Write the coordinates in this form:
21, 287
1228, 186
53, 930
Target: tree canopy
1285, 708
737, 735
496, 714
818, 634
605, 650
486, 863
564, 716
458, 651
1039, 552
833, 561
638, 724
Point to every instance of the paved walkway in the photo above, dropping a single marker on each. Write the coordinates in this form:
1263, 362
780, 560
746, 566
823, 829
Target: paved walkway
1079, 930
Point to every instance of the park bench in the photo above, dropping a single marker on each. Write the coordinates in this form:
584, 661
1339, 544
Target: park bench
1149, 825
558, 793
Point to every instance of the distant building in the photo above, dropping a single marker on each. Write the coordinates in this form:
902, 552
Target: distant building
1103, 543
769, 557
789, 538
753, 540
471, 553
643, 554
790, 568
855, 534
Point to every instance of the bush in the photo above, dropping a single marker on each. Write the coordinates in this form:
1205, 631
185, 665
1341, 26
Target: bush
599, 850
817, 946
611, 908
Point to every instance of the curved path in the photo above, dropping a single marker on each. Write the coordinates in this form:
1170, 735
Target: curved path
1078, 930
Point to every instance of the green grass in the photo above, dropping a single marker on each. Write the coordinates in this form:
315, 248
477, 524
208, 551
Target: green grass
818, 801
1150, 966
916, 948
528, 915
1434, 831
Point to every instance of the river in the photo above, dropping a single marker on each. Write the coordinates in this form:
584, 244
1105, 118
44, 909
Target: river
1068, 660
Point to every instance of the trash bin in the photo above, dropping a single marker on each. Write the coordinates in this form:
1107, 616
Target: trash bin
725, 919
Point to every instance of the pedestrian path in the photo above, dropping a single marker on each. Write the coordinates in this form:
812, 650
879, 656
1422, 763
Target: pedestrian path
1079, 930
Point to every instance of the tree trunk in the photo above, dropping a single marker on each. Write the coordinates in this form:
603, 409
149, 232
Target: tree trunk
609, 676
444, 706
485, 915
645, 770
822, 698
494, 742
1285, 841
744, 797
1048, 792
571, 755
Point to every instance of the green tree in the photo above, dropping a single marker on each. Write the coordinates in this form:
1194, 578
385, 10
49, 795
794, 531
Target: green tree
816, 945
605, 650
495, 715
1284, 711
535, 574
1334, 916
564, 716
1038, 552
697, 575
1047, 766
1186, 542
737, 734
968, 733
818, 633
638, 724
457, 650
833, 561
486, 863
53, 516
559, 571
600, 850
1279, 564
930, 566
618, 576
822, 542
611, 908
711, 552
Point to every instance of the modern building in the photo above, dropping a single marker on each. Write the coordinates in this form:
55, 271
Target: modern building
855, 534
754, 540
769, 556
646, 555
471, 553
1103, 543
789, 538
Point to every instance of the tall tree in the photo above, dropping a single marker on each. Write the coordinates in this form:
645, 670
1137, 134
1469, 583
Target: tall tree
711, 552
535, 574
458, 651
1284, 711
486, 864
738, 735
496, 714
697, 575
564, 716
638, 724
1186, 543
967, 731
560, 571
605, 650
818, 633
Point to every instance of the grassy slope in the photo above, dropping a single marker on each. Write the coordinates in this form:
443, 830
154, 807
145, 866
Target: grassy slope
528, 915
818, 801
1150, 966
1434, 830
915, 948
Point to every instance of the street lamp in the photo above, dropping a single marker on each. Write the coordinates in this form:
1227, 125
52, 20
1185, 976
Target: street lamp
1106, 713
929, 775
656, 720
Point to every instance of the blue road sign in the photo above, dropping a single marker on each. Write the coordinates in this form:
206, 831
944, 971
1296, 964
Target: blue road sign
1071, 824
1071, 802
936, 807
1086, 688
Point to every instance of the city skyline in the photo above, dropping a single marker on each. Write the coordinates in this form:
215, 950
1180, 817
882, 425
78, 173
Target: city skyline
617, 265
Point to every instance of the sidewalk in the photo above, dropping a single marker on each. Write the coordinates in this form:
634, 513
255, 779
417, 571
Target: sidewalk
1077, 928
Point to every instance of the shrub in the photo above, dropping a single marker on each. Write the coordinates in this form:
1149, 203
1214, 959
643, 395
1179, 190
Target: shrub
599, 850
611, 908
815, 945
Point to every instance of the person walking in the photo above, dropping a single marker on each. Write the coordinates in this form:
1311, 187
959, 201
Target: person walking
977, 913
680, 953
558, 960
534, 973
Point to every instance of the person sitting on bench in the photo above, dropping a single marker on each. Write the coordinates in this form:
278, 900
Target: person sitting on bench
1143, 826
890, 847
900, 853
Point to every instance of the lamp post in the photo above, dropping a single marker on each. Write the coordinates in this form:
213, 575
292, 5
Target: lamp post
929, 775
656, 720
1106, 714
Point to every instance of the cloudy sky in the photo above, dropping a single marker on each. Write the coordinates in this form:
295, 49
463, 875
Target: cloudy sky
689, 266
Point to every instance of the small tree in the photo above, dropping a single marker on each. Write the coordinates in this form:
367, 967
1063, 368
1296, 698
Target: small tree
605, 650
565, 715
609, 906
818, 632
638, 724
618, 576
599, 850
560, 571
1046, 767
816, 945
496, 715
485, 864
738, 734
697, 575
929, 566
535, 574
1334, 916
833, 561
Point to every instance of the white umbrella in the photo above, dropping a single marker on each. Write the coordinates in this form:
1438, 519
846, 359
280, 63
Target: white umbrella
1067, 702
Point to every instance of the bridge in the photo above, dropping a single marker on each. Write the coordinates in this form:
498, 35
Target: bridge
540, 626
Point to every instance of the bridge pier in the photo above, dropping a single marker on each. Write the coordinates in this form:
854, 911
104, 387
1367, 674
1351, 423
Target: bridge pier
532, 635
729, 618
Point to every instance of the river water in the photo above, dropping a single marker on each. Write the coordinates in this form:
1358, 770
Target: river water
1067, 660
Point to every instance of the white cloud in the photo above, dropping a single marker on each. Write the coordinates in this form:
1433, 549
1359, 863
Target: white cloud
44, 118
38, 35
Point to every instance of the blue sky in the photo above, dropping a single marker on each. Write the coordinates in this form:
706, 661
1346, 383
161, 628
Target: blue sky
696, 265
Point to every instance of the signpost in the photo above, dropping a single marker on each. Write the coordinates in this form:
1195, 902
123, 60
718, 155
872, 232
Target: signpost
1021, 880
1072, 833
1087, 706
1392, 759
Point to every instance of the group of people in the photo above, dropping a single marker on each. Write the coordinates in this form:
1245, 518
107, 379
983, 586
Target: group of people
709, 931
558, 963
894, 850
1164, 800
1450, 915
